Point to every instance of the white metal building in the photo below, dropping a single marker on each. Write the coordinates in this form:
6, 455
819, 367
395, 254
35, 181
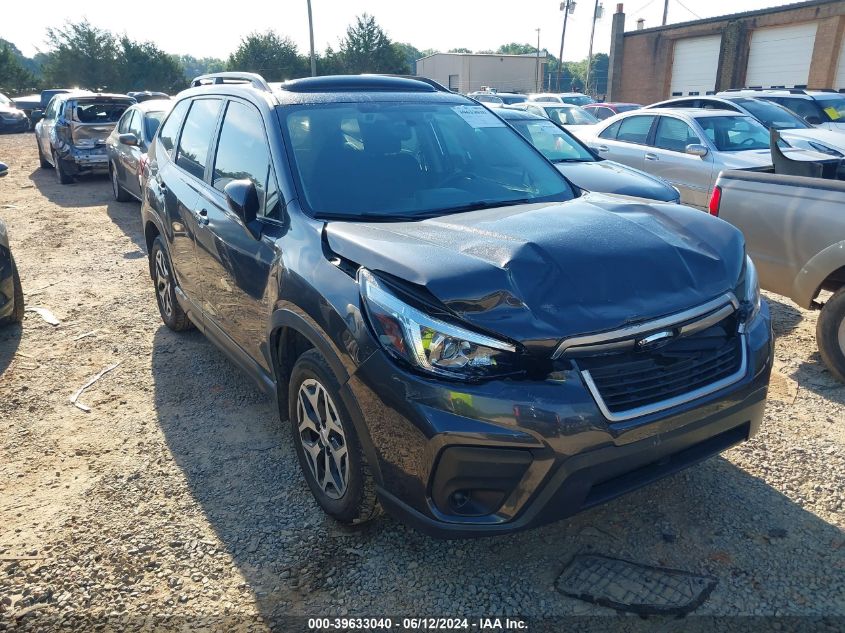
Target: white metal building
466, 72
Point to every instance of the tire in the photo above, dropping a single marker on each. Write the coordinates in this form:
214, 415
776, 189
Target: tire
61, 175
161, 269
120, 194
17, 312
830, 334
45, 164
347, 493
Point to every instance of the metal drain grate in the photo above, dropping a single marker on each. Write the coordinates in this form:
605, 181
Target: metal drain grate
631, 587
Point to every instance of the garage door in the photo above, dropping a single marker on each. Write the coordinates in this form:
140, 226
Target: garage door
839, 80
694, 65
780, 57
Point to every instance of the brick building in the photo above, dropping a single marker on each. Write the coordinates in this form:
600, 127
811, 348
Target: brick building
798, 45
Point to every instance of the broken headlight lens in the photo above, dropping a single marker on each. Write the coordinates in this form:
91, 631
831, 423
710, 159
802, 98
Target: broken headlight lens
431, 344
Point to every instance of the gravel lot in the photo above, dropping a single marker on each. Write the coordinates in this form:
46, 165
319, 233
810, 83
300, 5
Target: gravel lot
179, 496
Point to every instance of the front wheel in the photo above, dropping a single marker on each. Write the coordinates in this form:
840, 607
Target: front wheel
17, 299
171, 312
830, 334
326, 443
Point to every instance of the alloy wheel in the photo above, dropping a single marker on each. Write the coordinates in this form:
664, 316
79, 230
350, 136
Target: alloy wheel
163, 284
323, 438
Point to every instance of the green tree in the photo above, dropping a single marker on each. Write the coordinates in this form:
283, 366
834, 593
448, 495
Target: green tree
459, 50
276, 58
367, 49
81, 55
194, 67
14, 78
517, 49
144, 66
411, 54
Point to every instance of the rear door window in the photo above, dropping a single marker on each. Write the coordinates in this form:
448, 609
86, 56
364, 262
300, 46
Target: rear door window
635, 129
195, 139
611, 131
170, 130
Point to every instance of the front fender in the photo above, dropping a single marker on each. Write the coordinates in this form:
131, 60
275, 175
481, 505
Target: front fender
807, 283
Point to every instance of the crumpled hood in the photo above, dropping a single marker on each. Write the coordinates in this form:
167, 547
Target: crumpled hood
606, 176
537, 273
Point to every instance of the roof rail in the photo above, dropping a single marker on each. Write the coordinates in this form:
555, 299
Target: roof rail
257, 81
356, 83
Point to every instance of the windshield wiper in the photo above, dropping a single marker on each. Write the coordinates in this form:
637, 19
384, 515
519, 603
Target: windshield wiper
573, 160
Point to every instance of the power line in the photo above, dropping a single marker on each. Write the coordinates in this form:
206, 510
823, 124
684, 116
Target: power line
688, 9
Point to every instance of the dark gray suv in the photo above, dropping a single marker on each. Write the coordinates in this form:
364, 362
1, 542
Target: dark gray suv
453, 333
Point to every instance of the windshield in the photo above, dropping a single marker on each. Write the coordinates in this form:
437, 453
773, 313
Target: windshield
578, 100
411, 160
556, 144
833, 107
772, 115
509, 100
570, 116
734, 133
488, 99
151, 122
4, 100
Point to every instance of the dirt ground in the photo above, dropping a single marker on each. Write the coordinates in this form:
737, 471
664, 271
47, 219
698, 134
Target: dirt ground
178, 497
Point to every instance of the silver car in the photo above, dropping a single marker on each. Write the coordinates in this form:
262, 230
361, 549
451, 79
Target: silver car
565, 115
688, 147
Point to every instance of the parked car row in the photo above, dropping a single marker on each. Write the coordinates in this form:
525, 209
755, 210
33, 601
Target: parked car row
453, 329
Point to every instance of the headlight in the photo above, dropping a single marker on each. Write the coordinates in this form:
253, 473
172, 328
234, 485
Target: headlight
430, 344
751, 291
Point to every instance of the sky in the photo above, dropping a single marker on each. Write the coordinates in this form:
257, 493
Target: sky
214, 28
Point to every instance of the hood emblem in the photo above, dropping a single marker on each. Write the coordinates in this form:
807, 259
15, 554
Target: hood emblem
655, 341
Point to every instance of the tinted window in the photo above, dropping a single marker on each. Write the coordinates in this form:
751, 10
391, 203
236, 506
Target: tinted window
509, 100
674, 134
170, 129
772, 115
196, 136
611, 131
833, 106
634, 129
242, 151
570, 116
413, 159
801, 107
151, 122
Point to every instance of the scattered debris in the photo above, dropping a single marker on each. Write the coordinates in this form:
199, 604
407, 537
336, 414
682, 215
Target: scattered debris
78, 392
87, 334
45, 314
627, 586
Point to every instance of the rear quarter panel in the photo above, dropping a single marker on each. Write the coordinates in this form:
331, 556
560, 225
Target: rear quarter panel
794, 228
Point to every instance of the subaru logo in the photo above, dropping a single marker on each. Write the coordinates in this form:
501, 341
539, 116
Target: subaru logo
655, 341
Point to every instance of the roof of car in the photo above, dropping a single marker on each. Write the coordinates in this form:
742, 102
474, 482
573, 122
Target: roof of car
325, 89
690, 112
85, 94
780, 92
611, 104
154, 105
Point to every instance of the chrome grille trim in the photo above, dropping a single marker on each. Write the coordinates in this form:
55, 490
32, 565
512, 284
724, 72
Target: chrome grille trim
688, 320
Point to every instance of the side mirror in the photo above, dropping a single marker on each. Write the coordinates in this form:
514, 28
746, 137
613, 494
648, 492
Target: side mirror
697, 150
128, 139
3, 169
813, 119
36, 116
242, 199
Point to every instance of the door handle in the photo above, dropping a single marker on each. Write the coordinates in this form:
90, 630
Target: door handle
602, 148
650, 156
202, 217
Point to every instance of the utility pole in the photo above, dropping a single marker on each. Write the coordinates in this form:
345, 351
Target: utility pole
568, 6
311, 31
537, 65
590, 54
665, 10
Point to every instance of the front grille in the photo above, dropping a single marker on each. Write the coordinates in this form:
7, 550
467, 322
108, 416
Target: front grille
633, 383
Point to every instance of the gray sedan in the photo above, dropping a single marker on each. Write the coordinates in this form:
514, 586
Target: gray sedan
689, 147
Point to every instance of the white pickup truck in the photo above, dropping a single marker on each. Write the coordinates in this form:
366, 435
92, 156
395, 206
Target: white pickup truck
794, 230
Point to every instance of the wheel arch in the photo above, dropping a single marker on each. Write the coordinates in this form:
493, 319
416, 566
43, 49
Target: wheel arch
825, 271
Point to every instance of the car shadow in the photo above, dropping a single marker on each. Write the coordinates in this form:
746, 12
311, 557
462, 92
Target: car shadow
240, 467
127, 217
785, 316
89, 190
10, 339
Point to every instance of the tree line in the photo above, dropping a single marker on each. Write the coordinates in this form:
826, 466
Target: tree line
82, 55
